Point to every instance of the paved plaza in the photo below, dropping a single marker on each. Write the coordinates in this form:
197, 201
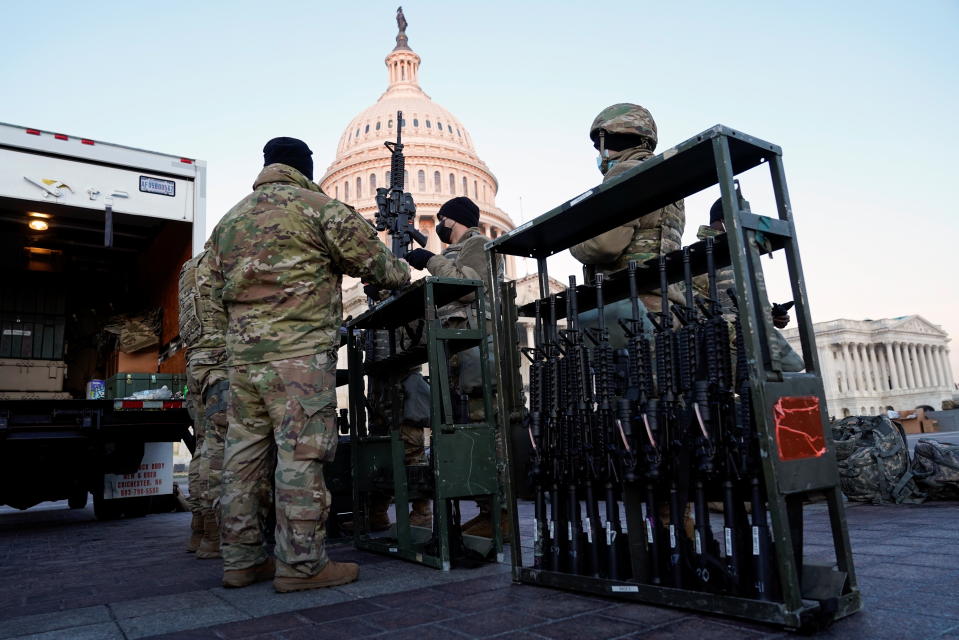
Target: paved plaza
67, 576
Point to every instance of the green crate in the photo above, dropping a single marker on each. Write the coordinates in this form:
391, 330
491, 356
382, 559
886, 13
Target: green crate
122, 385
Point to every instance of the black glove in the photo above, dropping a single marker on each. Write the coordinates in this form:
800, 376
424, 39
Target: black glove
372, 291
419, 257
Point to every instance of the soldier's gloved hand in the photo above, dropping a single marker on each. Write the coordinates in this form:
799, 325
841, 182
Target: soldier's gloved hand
780, 322
372, 291
419, 257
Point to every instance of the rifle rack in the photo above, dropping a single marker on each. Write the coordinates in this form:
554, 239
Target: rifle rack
803, 595
462, 459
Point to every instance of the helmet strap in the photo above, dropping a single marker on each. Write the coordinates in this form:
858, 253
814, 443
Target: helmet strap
603, 153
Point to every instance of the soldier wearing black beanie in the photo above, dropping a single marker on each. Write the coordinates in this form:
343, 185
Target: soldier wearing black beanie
291, 152
462, 210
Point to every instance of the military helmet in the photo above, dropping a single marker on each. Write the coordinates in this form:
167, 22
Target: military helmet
625, 119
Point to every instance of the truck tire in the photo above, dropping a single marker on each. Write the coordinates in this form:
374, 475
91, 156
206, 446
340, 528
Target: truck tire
105, 509
78, 500
136, 507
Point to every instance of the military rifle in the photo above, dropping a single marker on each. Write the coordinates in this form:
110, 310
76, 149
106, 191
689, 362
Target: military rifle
557, 438
538, 470
580, 402
396, 211
700, 425
639, 400
750, 465
721, 404
667, 420
608, 453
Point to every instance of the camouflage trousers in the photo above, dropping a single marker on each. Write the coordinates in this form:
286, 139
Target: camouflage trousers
282, 416
195, 477
208, 389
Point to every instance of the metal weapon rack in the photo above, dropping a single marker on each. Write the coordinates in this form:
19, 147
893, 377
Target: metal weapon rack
462, 455
761, 572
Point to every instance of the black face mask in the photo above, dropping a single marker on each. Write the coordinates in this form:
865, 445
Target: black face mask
444, 233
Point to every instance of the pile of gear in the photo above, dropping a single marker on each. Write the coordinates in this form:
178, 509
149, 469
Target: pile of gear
875, 467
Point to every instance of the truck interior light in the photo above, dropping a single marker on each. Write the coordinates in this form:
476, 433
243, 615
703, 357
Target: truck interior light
37, 214
38, 225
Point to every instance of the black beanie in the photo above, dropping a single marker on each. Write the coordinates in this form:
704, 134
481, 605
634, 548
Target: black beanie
462, 210
291, 152
716, 211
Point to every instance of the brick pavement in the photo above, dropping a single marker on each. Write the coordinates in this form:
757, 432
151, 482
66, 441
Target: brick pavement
64, 575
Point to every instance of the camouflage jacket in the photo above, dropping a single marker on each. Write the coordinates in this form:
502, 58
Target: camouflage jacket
465, 259
724, 276
725, 280
279, 259
202, 321
652, 235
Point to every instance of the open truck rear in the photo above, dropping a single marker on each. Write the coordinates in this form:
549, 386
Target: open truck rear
92, 237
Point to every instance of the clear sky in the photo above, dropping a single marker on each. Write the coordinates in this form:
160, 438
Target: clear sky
862, 96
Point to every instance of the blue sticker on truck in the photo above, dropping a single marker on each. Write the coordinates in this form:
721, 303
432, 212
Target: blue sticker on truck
157, 186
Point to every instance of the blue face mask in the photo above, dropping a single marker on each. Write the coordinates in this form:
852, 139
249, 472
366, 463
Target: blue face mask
604, 164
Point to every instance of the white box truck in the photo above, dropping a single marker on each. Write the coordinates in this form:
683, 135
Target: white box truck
92, 235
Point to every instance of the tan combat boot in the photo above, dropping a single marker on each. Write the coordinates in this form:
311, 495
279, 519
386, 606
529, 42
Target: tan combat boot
482, 526
196, 532
482, 516
235, 578
379, 514
421, 514
333, 574
210, 545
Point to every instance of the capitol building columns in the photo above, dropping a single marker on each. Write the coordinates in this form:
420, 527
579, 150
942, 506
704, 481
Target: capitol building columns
871, 364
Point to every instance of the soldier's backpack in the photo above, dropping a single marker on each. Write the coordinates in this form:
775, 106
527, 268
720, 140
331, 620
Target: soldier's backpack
936, 466
874, 461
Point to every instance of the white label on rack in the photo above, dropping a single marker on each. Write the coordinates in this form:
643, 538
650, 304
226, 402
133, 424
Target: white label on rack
729, 542
672, 536
552, 530
580, 198
623, 589
642, 510
649, 530
535, 531
589, 530
699, 544
610, 534
569, 530
755, 541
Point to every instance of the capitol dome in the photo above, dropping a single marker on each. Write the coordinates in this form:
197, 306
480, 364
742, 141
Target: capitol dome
441, 161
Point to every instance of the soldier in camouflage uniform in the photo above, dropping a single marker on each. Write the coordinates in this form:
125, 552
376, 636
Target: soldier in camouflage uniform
791, 361
279, 258
465, 257
381, 396
625, 135
202, 324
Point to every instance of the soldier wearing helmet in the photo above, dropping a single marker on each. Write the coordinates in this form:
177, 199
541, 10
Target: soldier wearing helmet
625, 135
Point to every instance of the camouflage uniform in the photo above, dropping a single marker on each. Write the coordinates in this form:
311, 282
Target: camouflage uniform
201, 329
791, 361
279, 257
649, 236
466, 259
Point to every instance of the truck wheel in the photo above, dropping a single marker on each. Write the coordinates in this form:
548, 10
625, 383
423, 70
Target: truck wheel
136, 507
78, 500
105, 509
